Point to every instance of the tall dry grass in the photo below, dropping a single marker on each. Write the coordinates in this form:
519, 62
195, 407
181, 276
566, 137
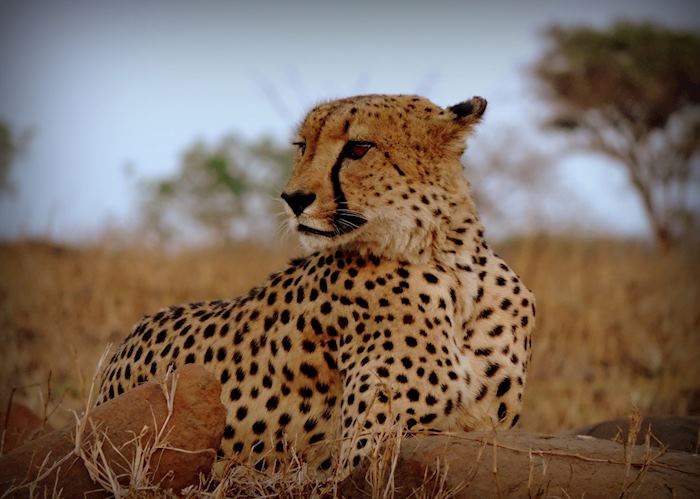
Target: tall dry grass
618, 323
618, 328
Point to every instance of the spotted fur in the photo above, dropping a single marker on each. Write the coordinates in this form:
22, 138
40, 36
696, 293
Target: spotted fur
400, 313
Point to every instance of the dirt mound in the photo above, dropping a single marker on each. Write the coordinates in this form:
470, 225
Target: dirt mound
18, 425
675, 432
517, 464
163, 433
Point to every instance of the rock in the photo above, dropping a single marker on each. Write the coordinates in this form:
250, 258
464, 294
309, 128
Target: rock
19, 426
195, 426
675, 432
532, 465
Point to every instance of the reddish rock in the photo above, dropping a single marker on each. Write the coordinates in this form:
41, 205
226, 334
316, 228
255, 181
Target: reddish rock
193, 433
19, 426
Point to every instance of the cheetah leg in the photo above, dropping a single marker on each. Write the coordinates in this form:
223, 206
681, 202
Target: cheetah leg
375, 413
369, 420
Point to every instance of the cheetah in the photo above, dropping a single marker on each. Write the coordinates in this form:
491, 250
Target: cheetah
400, 314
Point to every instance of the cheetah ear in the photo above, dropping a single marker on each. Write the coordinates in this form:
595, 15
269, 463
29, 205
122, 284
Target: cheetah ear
461, 119
470, 111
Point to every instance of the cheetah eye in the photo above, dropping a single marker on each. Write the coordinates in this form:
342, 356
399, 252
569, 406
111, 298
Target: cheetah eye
356, 150
301, 146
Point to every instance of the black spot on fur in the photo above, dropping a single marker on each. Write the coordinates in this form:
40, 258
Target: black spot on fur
503, 387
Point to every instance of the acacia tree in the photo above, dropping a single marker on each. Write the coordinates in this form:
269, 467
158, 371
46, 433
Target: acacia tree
632, 93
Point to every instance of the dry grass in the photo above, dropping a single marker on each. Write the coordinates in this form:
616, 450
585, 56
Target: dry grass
60, 307
618, 329
618, 323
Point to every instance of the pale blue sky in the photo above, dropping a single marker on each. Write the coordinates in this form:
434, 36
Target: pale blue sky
103, 84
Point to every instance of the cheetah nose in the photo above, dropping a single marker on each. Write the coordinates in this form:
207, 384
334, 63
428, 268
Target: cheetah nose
299, 200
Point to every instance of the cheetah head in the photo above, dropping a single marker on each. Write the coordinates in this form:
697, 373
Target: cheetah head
378, 172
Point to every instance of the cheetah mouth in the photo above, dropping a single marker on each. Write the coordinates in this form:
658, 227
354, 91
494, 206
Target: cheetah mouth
316, 232
343, 222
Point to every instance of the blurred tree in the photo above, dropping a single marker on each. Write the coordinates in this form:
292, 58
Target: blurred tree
227, 190
516, 187
632, 93
11, 146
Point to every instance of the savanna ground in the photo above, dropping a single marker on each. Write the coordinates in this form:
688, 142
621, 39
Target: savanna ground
618, 322
618, 330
